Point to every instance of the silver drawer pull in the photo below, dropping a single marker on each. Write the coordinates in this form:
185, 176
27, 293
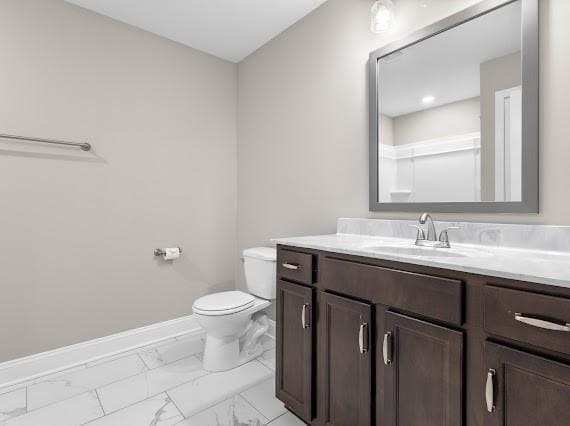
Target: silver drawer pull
361, 339
548, 325
489, 391
293, 266
387, 348
304, 315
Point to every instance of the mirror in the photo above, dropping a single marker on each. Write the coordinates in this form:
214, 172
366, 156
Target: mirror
454, 114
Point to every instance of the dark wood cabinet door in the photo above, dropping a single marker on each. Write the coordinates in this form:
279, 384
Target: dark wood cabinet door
294, 357
346, 360
525, 390
424, 373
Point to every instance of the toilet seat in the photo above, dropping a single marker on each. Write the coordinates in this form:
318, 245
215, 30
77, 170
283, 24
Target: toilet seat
224, 303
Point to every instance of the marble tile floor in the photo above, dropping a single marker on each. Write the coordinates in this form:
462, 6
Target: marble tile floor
159, 385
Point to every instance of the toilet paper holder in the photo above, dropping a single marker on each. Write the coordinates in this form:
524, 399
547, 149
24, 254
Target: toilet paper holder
162, 252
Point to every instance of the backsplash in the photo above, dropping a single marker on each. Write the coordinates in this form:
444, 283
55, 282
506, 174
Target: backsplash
530, 237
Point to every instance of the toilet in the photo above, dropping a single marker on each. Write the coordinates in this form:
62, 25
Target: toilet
233, 320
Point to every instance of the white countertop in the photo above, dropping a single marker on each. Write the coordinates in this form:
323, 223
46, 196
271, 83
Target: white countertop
537, 266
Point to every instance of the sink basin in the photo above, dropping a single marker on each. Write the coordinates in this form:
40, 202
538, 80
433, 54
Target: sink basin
417, 251
409, 249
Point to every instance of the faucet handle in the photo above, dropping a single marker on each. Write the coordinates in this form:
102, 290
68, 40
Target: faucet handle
444, 236
421, 235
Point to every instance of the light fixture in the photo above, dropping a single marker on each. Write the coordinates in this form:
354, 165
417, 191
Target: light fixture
382, 16
428, 99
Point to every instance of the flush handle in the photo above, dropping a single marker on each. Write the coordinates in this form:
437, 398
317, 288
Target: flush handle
292, 266
304, 321
489, 390
387, 348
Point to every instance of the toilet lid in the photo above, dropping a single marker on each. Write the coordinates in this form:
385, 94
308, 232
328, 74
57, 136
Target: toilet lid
263, 253
223, 303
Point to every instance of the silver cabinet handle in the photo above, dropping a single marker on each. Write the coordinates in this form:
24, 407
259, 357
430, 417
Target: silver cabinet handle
293, 266
304, 315
363, 341
387, 348
489, 391
548, 325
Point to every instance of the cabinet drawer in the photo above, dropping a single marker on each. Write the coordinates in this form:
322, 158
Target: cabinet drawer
528, 317
295, 266
434, 297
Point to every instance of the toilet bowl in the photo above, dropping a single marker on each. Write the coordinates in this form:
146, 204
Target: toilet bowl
233, 320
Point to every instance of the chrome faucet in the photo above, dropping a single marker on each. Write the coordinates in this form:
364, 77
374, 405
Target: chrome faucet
431, 240
432, 234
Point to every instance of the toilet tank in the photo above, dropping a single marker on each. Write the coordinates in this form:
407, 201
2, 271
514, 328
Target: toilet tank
259, 267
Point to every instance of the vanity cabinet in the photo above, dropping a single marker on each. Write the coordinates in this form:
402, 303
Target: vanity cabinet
364, 341
294, 356
346, 328
525, 390
423, 377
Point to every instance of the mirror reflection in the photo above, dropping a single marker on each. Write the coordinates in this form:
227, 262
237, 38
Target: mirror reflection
450, 114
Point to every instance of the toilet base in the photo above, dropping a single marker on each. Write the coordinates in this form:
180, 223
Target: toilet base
222, 355
225, 353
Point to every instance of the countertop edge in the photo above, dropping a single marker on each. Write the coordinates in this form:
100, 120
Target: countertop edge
533, 279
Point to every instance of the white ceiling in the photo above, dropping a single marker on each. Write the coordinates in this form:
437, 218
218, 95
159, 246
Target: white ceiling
447, 66
229, 29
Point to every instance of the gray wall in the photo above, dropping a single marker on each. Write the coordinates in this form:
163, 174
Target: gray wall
78, 230
451, 119
303, 122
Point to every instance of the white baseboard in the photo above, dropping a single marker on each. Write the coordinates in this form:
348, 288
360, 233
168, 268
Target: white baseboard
38, 365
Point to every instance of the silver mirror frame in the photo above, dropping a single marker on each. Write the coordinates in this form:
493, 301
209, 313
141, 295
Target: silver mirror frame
530, 105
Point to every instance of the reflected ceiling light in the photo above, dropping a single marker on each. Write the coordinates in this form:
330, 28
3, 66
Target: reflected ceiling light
382, 16
428, 99
423, 3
